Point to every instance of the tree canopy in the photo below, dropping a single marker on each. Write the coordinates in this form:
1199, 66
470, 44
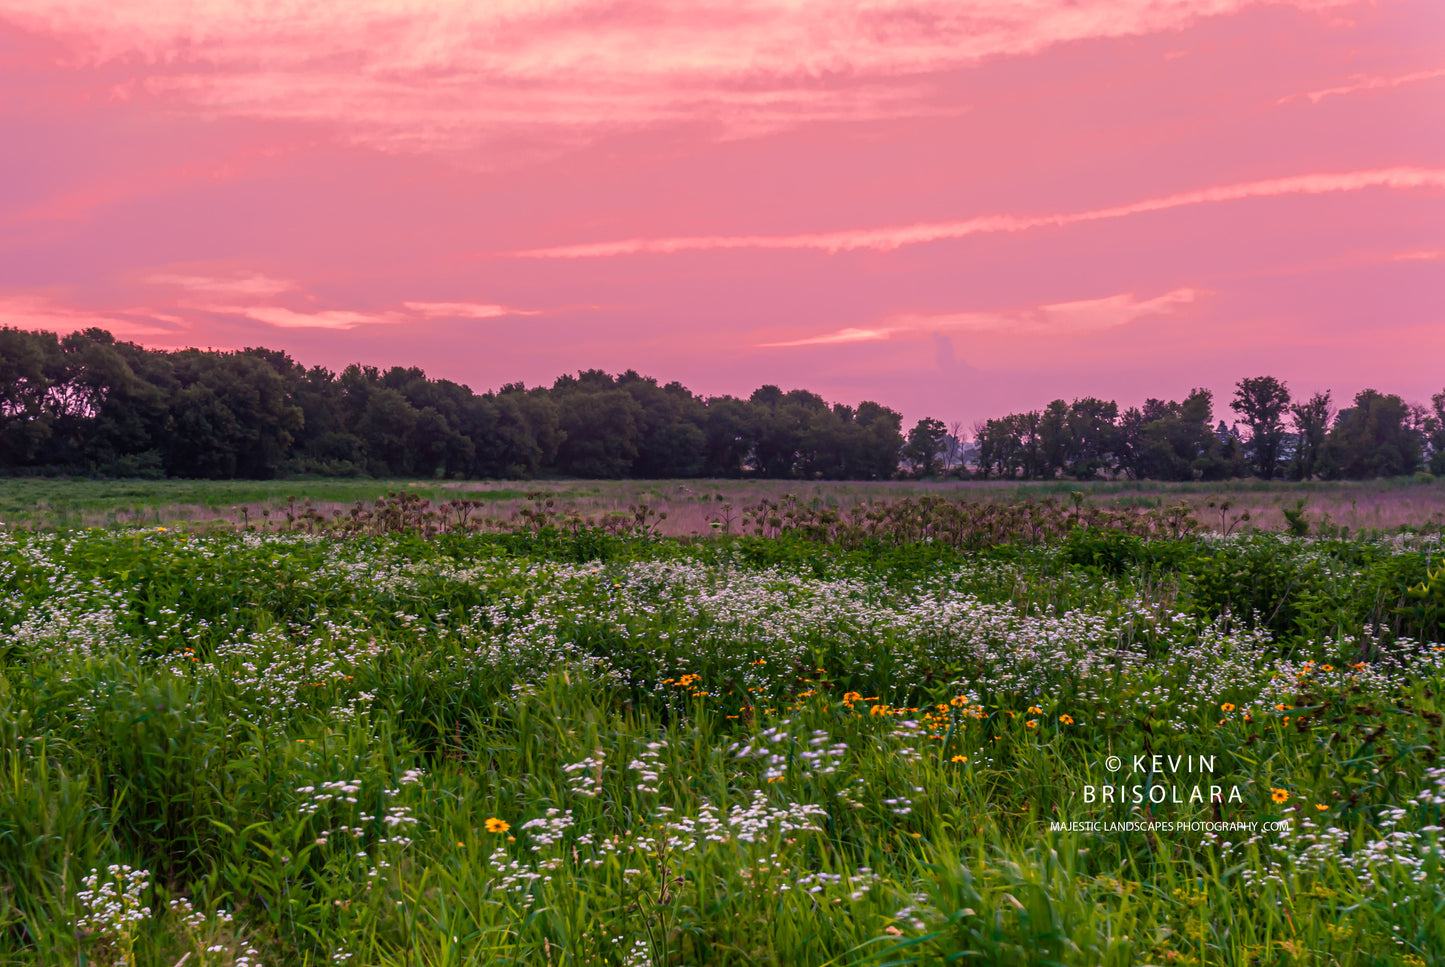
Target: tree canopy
88, 404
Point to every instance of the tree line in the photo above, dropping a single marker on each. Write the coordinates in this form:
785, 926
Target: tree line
88, 404
1271, 436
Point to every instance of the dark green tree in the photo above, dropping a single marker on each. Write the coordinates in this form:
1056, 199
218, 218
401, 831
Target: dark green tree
1436, 434
1262, 402
1091, 437
924, 449
1311, 425
1373, 438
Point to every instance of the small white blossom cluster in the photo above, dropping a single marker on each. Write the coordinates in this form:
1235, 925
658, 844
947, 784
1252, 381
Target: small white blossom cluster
113, 905
912, 915
547, 830
201, 930
816, 757
648, 767
514, 878
1395, 852
585, 777
342, 790
858, 884
340, 796
639, 954
750, 824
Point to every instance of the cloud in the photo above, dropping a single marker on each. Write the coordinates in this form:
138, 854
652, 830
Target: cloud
1077, 318
834, 338
466, 310
1364, 82
253, 295
238, 285
41, 312
1059, 319
893, 237
453, 75
192, 311
283, 318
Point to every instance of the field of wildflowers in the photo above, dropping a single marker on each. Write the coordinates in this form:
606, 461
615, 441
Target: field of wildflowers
544, 747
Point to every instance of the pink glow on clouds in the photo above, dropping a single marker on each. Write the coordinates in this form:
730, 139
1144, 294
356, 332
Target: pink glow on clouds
1371, 83
884, 239
1061, 319
956, 208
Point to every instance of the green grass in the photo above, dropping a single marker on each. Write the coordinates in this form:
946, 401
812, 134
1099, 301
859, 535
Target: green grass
71, 503
732, 752
1377, 504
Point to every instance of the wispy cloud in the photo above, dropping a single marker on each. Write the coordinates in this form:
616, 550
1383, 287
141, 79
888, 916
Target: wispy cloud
43, 312
893, 237
466, 310
283, 318
194, 300
1076, 318
1365, 82
834, 338
256, 285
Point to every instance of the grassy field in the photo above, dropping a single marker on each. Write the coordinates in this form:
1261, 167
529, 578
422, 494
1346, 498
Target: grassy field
691, 505
558, 748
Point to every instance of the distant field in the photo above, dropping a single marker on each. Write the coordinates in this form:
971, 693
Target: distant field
689, 504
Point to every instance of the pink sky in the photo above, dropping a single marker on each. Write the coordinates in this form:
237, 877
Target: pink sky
955, 208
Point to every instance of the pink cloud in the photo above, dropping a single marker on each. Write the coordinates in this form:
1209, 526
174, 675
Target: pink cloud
834, 338
884, 239
466, 310
463, 75
1060, 319
283, 318
30, 311
1361, 82
255, 285
194, 303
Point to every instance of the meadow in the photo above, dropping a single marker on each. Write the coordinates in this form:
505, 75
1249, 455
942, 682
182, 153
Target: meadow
692, 505
232, 746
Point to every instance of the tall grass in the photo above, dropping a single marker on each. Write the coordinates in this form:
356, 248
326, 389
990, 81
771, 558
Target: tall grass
554, 748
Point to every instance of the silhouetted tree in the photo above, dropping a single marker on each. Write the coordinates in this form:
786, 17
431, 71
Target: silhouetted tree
1263, 402
925, 446
1311, 425
1373, 438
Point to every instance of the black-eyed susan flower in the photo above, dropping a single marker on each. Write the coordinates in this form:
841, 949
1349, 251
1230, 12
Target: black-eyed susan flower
1031, 724
959, 758
1066, 719
1227, 707
495, 825
1279, 795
